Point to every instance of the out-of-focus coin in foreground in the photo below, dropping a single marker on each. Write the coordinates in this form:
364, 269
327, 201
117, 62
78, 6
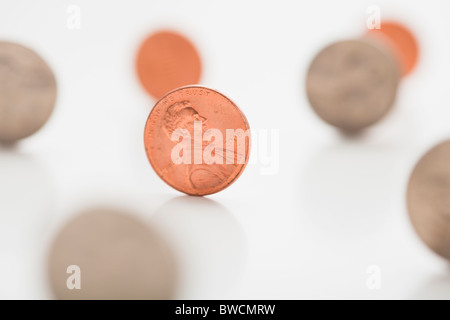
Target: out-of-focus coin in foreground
27, 92
167, 60
352, 84
197, 140
428, 199
118, 256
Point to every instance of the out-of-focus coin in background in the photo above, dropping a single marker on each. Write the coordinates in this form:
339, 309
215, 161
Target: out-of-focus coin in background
428, 198
177, 112
352, 84
401, 41
165, 61
119, 256
27, 92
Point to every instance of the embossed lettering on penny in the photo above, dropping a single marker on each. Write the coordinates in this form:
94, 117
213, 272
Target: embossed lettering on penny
27, 92
352, 84
428, 198
197, 140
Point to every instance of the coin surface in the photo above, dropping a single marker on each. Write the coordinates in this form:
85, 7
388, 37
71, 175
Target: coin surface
118, 256
167, 60
27, 92
352, 84
428, 199
401, 41
197, 140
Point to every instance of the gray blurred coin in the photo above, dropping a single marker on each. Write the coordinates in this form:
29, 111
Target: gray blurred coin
27, 92
352, 84
428, 199
119, 257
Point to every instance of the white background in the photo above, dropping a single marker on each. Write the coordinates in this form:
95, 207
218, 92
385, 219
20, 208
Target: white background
335, 206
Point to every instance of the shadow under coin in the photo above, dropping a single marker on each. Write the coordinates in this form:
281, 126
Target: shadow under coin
348, 189
6, 147
436, 288
209, 244
26, 206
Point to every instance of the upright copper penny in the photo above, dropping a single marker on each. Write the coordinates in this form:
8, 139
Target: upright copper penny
167, 60
428, 199
27, 92
352, 84
115, 255
197, 140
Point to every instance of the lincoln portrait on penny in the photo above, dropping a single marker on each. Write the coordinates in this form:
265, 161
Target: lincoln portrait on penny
182, 117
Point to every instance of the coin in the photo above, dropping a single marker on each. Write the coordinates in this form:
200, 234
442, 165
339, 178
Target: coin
352, 84
401, 41
428, 199
197, 140
167, 60
27, 92
114, 255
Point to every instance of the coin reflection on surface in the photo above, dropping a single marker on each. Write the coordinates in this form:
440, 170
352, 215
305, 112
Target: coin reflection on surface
27, 92
27, 199
435, 288
348, 189
209, 243
119, 256
428, 199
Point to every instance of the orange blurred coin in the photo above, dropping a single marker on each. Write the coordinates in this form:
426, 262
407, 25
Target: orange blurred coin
401, 41
197, 140
167, 60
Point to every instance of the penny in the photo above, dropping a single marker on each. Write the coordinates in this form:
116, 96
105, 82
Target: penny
118, 256
165, 61
352, 84
27, 92
402, 43
428, 199
197, 140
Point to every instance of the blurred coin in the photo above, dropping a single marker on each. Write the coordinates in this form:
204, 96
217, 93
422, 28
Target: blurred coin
119, 257
197, 140
27, 92
167, 60
401, 41
428, 199
352, 84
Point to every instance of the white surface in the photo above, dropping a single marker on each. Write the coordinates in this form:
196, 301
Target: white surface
311, 230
